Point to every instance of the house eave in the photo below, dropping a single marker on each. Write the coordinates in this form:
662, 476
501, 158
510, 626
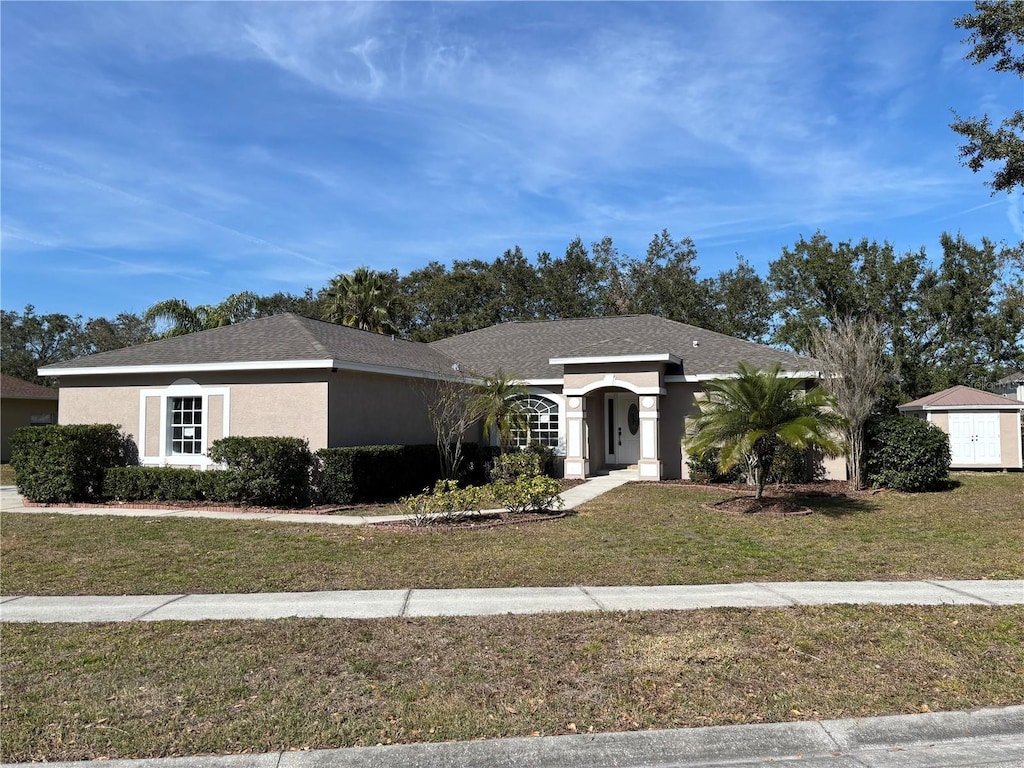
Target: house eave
691, 378
978, 407
666, 357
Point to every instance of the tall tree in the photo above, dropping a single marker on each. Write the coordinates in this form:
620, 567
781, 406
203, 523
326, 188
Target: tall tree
363, 299
572, 285
664, 282
29, 341
180, 318
520, 288
125, 330
854, 369
739, 303
747, 418
996, 32
447, 302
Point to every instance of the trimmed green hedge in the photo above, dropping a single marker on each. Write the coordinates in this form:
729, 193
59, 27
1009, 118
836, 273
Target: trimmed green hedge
63, 463
266, 471
907, 454
166, 484
369, 474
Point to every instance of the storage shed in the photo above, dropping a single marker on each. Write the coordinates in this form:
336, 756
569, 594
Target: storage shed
984, 428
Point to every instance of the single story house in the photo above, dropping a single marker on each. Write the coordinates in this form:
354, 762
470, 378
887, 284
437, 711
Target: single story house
23, 404
603, 392
984, 428
1011, 386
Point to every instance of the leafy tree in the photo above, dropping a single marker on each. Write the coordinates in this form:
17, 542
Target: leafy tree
181, 318
748, 418
519, 284
445, 302
996, 32
125, 330
573, 285
363, 299
739, 303
665, 282
307, 305
29, 341
854, 368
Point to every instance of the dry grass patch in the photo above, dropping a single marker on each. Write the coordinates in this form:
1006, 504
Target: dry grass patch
637, 534
171, 688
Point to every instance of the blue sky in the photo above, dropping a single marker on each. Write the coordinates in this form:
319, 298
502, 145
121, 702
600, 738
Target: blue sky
193, 150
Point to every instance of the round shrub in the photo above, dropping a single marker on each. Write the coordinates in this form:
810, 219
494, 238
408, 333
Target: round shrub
907, 454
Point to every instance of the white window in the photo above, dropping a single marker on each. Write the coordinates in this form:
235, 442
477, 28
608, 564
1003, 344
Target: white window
540, 424
186, 431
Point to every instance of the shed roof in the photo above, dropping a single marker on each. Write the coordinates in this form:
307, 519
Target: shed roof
962, 397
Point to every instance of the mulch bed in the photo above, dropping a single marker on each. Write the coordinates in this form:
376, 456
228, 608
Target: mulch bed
780, 500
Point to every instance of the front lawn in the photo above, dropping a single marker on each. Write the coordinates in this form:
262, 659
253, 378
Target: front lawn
170, 688
636, 534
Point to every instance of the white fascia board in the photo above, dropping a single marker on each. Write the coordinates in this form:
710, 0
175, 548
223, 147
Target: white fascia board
541, 382
665, 357
255, 365
692, 378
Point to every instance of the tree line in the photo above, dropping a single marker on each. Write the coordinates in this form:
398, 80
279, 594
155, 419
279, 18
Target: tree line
958, 319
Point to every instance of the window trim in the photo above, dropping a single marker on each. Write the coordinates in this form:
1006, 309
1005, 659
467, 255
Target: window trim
180, 388
559, 403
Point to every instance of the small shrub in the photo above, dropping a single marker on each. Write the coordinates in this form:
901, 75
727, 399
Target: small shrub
907, 454
704, 469
64, 463
369, 474
266, 471
529, 494
511, 466
167, 484
446, 503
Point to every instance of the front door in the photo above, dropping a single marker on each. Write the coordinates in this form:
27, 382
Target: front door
622, 436
974, 438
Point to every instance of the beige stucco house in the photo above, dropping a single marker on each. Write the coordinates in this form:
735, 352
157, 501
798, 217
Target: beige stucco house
602, 392
1011, 386
23, 404
984, 428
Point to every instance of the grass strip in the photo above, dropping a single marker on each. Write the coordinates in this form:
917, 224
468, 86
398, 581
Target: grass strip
637, 534
170, 688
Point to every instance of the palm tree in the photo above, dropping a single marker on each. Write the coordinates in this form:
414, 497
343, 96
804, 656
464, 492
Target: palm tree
497, 402
183, 318
363, 300
748, 417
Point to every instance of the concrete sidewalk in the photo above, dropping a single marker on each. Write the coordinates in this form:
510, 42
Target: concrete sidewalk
11, 501
368, 604
987, 737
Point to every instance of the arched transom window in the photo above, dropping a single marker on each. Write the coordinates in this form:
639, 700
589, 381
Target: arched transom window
541, 422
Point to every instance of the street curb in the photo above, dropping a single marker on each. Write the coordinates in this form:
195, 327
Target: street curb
894, 740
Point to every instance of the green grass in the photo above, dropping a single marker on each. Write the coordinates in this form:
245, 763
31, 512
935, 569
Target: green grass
7, 475
637, 534
171, 688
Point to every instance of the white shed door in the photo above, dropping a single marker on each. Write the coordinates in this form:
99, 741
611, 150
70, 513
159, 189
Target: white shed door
974, 438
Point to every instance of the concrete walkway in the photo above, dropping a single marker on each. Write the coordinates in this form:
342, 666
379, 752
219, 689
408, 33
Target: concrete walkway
368, 604
986, 737
11, 501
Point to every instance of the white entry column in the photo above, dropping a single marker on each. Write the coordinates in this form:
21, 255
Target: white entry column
577, 458
650, 458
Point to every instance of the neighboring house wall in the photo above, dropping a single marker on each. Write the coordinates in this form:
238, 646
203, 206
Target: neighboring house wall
17, 413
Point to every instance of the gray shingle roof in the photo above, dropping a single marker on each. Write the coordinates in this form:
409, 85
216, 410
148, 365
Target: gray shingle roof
524, 348
280, 338
17, 389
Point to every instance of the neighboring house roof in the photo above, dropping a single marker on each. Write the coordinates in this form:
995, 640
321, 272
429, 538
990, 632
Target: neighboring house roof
961, 397
284, 341
1013, 378
526, 349
16, 389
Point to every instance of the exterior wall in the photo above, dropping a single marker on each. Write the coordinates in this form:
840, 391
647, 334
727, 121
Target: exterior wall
15, 413
676, 405
611, 378
286, 409
1010, 438
373, 409
101, 405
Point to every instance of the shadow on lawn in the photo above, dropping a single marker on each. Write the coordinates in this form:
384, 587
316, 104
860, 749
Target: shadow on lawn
836, 506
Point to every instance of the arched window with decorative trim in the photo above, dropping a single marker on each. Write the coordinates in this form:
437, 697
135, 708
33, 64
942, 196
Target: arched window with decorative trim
540, 424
